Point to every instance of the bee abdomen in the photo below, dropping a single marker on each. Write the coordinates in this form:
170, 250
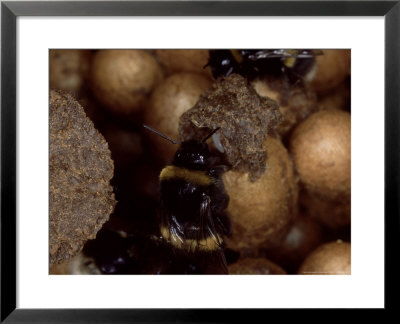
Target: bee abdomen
207, 244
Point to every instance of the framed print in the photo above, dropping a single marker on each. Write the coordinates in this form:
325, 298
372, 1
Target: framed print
281, 44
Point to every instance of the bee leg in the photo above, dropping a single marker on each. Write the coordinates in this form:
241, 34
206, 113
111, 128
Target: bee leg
224, 224
217, 170
223, 263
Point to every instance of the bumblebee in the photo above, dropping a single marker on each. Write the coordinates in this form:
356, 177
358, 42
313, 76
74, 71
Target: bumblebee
291, 64
193, 200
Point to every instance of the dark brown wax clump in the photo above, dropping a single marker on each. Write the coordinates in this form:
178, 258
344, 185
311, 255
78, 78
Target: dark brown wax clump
81, 197
245, 119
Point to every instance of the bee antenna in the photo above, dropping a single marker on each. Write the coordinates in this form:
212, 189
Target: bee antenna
211, 134
160, 134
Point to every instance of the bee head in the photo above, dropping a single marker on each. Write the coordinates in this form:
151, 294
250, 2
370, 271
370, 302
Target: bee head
192, 154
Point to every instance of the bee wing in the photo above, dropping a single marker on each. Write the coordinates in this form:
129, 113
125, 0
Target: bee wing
172, 229
206, 221
216, 259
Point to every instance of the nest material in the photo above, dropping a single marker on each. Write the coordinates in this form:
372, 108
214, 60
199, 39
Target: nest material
245, 119
81, 197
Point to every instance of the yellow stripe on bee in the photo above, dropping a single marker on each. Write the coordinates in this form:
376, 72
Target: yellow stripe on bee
190, 245
196, 177
289, 62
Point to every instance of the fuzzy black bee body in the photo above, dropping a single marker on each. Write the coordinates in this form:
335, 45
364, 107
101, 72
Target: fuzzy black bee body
192, 217
193, 201
291, 64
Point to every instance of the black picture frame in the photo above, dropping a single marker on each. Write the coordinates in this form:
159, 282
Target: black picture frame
10, 10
